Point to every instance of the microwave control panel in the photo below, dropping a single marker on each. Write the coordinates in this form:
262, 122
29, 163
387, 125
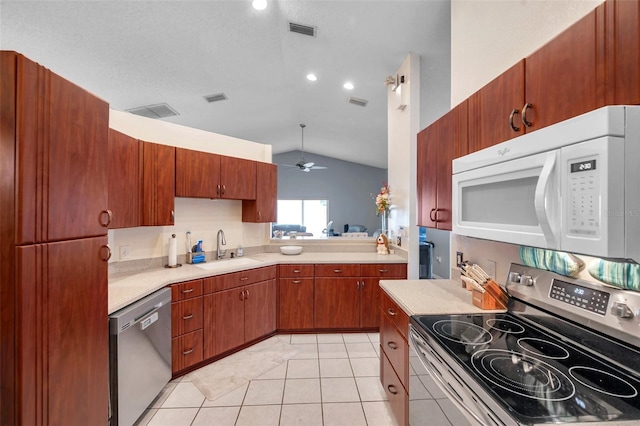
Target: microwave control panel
584, 198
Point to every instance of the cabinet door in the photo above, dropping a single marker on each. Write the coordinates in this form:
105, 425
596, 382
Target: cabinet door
264, 207
452, 143
157, 191
238, 178
228, 313
295, 303
370, 302
564, 78
494, 110
197, 174
337, 303
124, 180
426, 185
259, 309
625, 50
62, 342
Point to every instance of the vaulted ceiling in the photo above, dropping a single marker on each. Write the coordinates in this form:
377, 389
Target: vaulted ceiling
137, 53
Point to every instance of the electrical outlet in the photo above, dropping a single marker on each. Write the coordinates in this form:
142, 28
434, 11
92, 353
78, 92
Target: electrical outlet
439, 259
124, 251
459, 258
491, 268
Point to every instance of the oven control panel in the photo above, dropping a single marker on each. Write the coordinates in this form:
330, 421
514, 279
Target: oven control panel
586, 298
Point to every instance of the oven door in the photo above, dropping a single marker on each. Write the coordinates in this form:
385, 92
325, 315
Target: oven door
451, 384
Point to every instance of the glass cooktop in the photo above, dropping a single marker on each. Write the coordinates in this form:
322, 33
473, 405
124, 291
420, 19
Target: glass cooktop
535, 376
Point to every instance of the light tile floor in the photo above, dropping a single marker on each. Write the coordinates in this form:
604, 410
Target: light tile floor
334, 380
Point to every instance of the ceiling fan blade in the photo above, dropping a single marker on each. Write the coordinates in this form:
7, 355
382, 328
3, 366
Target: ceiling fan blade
309, 164
318, 167
306, 169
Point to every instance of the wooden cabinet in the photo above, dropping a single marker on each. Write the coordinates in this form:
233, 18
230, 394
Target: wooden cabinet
295, 297
438, 145
394, 357
124, 180
623, 52
205, 175
346, 295
238, 308
157, 189
61, 335
264, 207
187, 319
53, 248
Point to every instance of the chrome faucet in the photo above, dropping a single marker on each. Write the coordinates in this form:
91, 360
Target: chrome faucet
220, 253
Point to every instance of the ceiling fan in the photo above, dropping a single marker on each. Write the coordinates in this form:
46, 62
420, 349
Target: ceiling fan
304, 165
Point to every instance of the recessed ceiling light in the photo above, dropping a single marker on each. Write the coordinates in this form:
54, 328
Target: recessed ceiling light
312, 77
348, 85
259, 4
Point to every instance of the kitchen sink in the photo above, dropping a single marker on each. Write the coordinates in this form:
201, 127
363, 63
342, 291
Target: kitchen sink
217, 265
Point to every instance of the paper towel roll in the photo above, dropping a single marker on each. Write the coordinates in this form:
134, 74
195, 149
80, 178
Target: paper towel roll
173, 250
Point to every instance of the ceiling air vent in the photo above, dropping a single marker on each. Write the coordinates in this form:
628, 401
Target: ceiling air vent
154, 111
357, 101
302, 29
215, 98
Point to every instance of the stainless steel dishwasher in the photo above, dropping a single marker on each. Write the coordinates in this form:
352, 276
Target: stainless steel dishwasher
139, 355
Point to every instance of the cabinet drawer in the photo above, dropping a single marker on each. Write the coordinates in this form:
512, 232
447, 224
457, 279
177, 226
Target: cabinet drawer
186, 290
337, 270
294, 271
390, 270
395, 348
186, 350
397, 316
186, 316
398, 397
237, 279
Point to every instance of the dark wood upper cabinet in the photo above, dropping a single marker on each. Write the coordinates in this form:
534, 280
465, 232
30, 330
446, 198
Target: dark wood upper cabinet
157, 189
623, 51
438, 145
124, 180
264, 207
237, 178
495, 110
565, 77
197, 174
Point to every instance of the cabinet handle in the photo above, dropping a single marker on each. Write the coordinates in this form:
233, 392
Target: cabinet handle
218, 190
297, 281
296, 271
187, 291
337, 271
187, 352
109, 215
358, 284
436, 215
106, 254
513, 126
524, 115
259, 215
431, 215
224, 189
392, 345
362, 284
383, 271
392, 389
173, 216
242, 295
244, 278
186, 317
391, 312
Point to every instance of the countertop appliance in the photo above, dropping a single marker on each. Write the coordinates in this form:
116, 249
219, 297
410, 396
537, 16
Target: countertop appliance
572, 186
139, 355
566, 351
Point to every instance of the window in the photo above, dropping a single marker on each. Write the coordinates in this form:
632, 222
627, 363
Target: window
309, 213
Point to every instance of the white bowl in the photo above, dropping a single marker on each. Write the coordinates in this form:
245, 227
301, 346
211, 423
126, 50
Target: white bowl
291, 249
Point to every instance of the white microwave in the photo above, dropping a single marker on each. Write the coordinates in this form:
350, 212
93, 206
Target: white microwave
573, 186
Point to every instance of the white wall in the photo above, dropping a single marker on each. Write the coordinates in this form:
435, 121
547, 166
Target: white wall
488, 37
200, 216
403, 126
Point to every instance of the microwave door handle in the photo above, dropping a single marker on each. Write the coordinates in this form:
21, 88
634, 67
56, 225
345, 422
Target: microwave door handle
542, 209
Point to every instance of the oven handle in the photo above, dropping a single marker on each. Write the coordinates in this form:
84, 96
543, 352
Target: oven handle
416, 340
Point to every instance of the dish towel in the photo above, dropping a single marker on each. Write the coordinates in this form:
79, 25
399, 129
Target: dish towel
551, 260
619, 274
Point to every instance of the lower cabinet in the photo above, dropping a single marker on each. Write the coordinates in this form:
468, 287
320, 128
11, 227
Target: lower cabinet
394, 357
337, 303
186, 325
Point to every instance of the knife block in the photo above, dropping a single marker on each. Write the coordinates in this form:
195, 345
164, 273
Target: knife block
485, 300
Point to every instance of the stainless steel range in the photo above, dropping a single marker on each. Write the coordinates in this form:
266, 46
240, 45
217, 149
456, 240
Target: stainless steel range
566, 351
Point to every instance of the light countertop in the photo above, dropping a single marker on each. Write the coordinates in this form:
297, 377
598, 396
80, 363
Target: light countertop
128, 287
424, 297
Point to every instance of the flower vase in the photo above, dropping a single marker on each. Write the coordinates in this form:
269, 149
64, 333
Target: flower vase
385, 219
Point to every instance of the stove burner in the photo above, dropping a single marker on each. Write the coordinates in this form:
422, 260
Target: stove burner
543, 348
462, 332
523, 375
603, 382
505, 326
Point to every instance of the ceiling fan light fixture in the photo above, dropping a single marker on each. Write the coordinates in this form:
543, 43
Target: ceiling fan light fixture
312, 77
348, 85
